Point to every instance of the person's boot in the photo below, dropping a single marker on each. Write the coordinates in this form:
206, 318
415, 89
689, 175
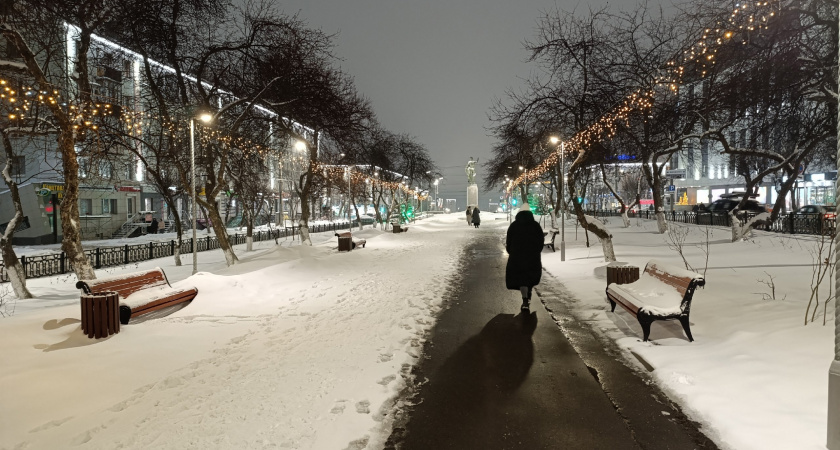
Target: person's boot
526, 305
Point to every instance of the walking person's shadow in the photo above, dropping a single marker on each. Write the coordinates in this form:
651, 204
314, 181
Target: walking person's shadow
475, 384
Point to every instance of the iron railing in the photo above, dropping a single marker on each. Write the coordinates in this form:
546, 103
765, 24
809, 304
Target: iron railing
37, 266
786, 223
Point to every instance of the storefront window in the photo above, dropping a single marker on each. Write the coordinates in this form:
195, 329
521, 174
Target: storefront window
703, 196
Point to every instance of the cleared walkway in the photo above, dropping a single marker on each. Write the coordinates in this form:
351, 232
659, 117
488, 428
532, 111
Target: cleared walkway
494, 378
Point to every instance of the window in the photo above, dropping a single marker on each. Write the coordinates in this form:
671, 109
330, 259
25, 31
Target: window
18, 166
11, 51
109, 206
83, 167
106, 169
85, 206
130, 205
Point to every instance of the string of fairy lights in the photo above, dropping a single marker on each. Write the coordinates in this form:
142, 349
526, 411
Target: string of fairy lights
745, 18
20, 102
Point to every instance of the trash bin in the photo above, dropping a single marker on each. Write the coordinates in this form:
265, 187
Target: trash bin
345, 242
621, 273
100, 314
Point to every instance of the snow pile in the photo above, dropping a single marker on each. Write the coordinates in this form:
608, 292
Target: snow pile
296, 347
755, 376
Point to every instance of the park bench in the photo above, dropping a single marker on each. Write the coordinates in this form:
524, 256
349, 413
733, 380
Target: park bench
549, 243
399, 228
662, 292
347, 243
140, 292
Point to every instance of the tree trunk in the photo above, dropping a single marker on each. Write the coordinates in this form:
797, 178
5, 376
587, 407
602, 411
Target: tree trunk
71, 242
17, 276
179, 233
596, 227
221, 231
249, 232
305, 189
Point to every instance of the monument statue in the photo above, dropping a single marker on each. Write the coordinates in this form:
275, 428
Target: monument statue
472, 188
470, 170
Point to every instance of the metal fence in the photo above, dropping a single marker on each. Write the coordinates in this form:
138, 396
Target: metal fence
786, 223
57, 263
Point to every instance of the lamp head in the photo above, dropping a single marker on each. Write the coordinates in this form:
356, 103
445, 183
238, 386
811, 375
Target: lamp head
300, 145
554, 139
205, 117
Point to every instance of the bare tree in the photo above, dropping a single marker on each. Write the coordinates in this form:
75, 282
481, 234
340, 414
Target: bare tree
36, 30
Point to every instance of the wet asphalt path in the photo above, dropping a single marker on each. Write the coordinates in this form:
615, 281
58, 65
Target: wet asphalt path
494, 378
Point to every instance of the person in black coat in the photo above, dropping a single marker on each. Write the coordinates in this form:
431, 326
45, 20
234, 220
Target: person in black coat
524, 245
153, 226
476, 218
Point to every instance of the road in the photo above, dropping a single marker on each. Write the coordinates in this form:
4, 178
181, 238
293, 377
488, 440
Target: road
495, 378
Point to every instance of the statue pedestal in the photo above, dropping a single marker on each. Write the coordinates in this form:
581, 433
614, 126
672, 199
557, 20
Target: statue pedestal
472, 195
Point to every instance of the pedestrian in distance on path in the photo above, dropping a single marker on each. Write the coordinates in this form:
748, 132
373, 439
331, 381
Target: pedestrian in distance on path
476, 217
469, 215
524, 245
153, 226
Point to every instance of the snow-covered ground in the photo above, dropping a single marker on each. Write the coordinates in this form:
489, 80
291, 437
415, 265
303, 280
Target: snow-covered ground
303, 347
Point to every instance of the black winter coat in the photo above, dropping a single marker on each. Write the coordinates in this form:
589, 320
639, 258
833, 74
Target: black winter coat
524, 245
476, 218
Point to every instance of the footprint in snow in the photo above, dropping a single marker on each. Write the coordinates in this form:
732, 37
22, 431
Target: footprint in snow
387, 380
338, 408
363, 407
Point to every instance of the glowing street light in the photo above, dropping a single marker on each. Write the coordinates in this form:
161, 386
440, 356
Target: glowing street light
206, 118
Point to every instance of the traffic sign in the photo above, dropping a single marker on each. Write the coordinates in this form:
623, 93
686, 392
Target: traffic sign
671, 188
675, 173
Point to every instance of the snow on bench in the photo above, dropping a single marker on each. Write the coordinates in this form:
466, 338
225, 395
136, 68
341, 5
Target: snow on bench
140, 292
663, 292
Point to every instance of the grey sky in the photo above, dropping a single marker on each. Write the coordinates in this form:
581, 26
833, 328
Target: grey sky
432, 68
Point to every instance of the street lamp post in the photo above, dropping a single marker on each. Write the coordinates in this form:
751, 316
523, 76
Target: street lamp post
555, 140
834, 370
206, 118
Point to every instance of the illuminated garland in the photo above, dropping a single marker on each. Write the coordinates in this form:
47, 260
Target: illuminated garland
337, 175
20, 103
743, 20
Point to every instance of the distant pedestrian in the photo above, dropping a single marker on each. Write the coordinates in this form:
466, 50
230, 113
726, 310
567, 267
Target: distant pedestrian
153, 226
469, 215
524, 245
476, 218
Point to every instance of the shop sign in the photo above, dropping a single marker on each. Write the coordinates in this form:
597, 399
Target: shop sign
54, 189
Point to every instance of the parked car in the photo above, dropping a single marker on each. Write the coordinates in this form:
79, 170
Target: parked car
365, 220
724, 205
812, 219
827, 212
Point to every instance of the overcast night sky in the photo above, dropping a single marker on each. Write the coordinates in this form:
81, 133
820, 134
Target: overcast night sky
432, 68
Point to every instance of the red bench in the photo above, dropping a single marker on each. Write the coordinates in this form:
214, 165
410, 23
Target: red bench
140, 292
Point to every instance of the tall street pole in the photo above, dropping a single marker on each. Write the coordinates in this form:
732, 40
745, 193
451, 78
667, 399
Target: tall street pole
562, 209
194, 194
834, 370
